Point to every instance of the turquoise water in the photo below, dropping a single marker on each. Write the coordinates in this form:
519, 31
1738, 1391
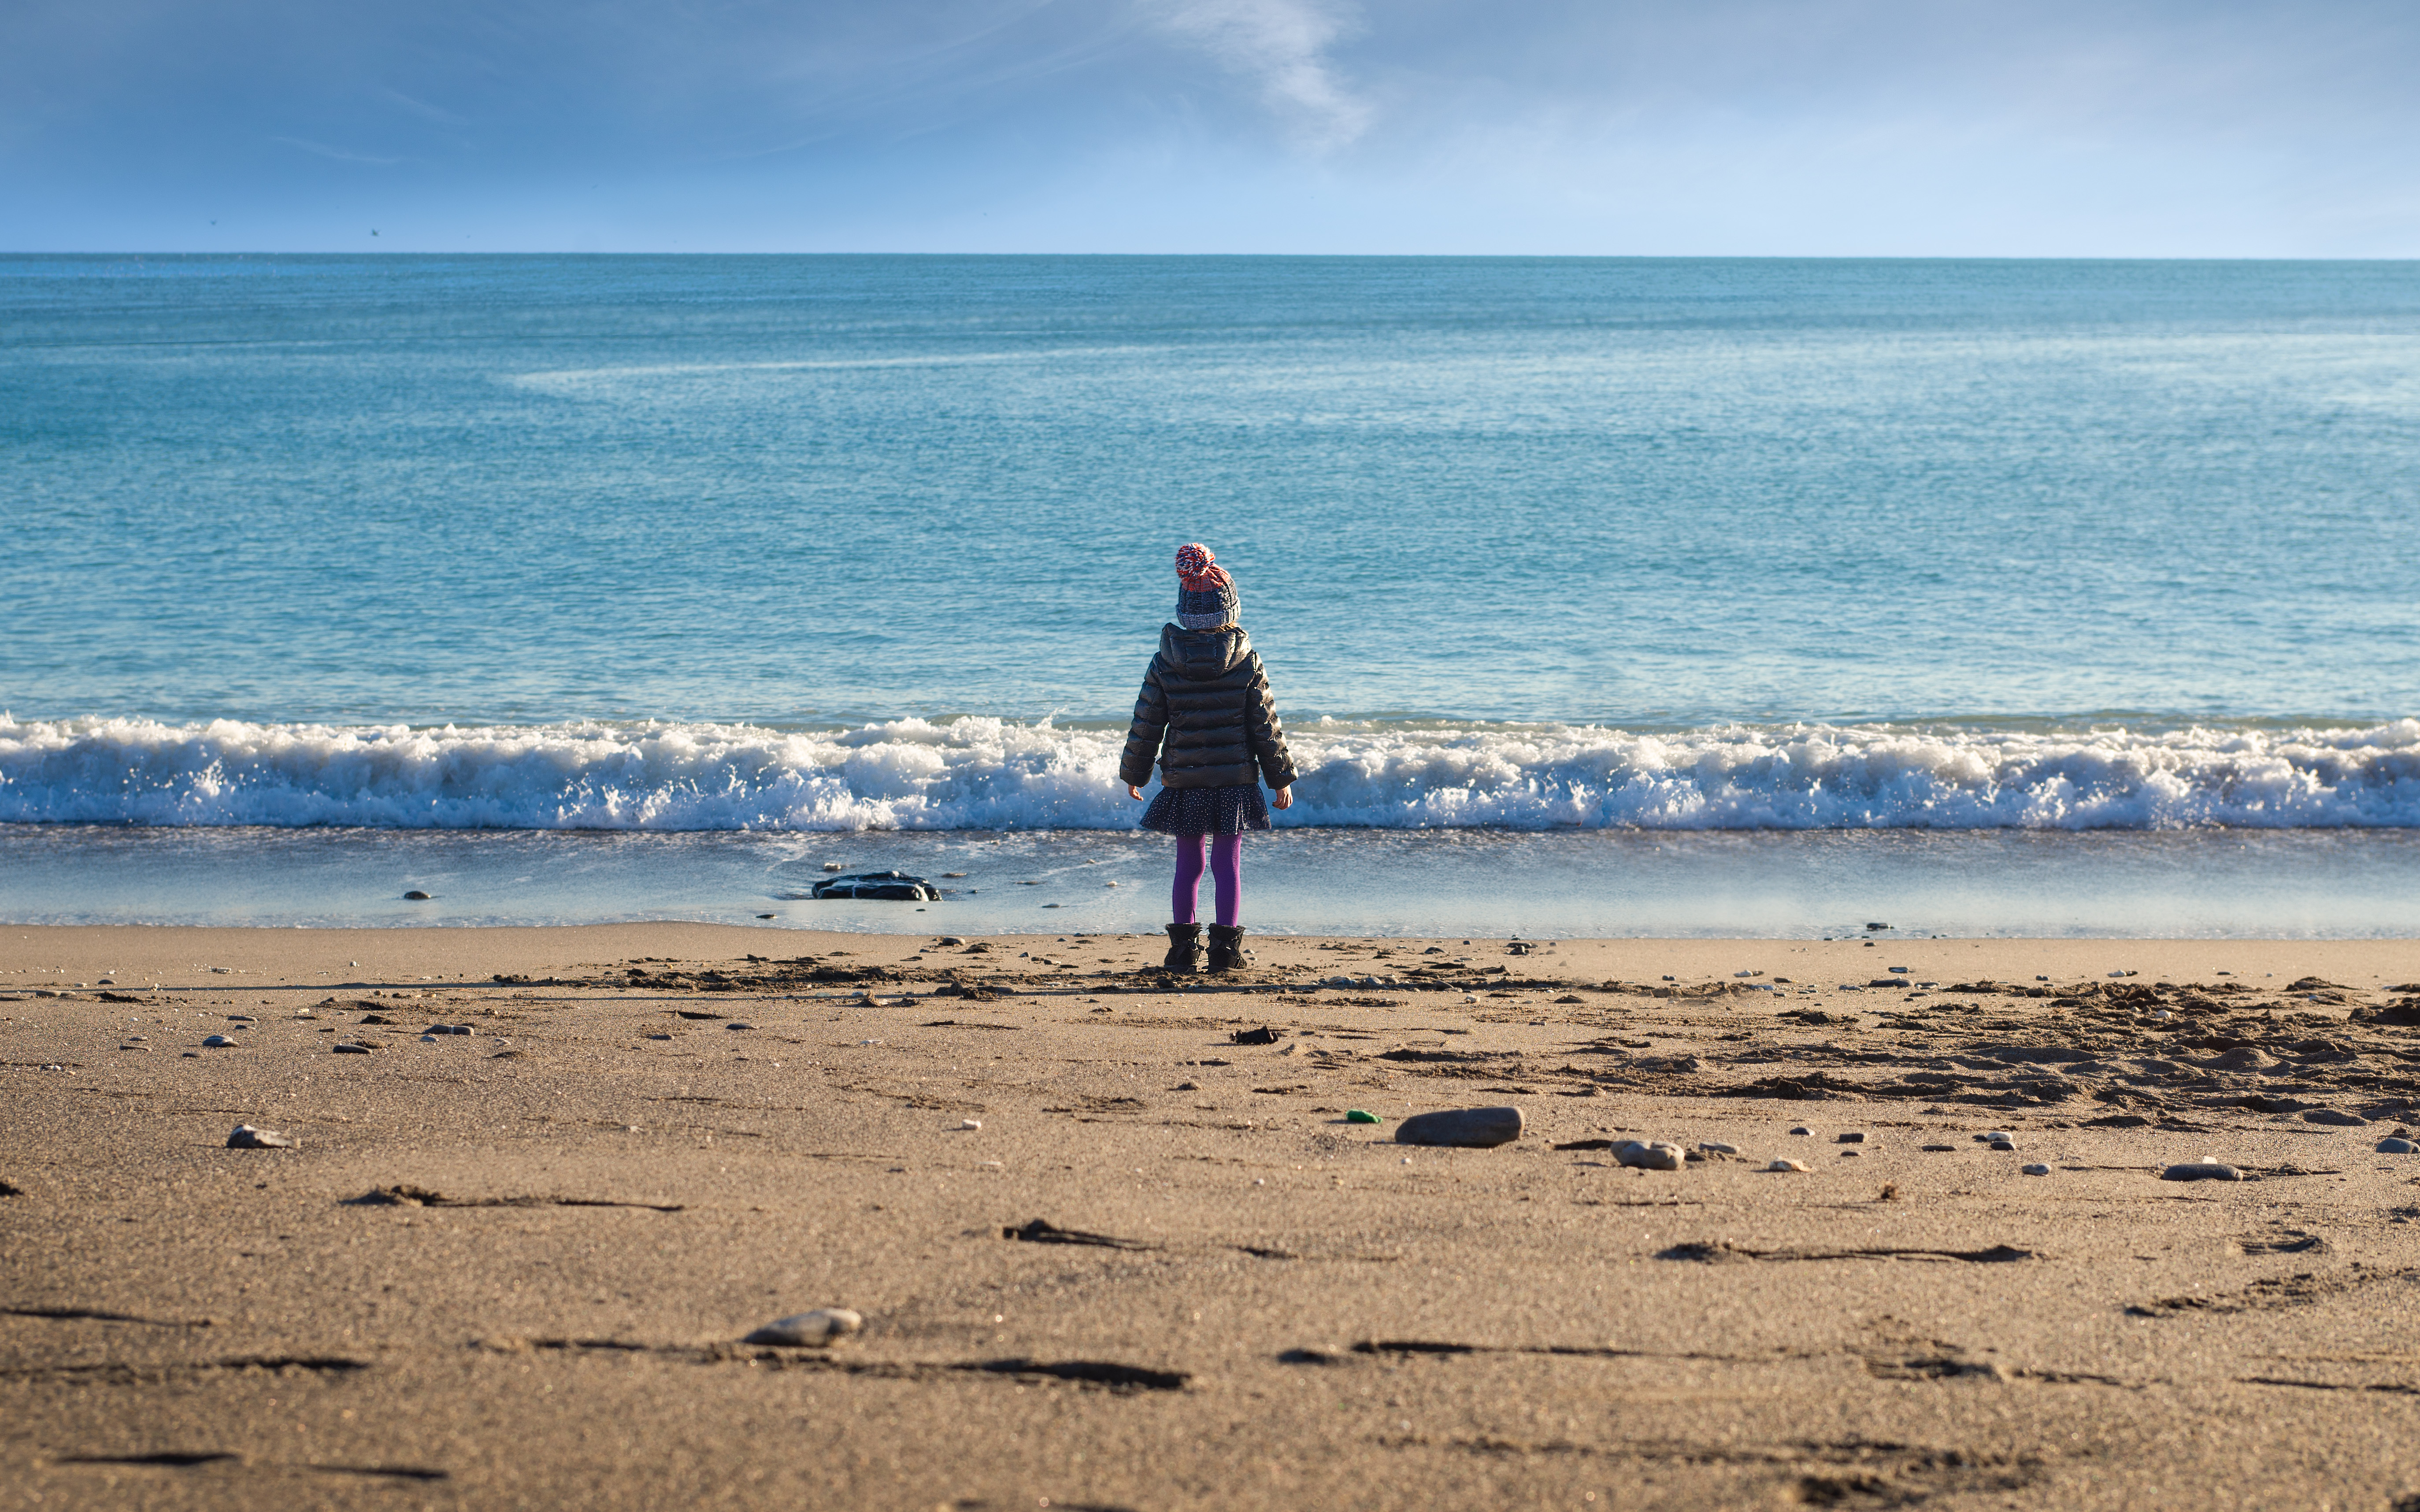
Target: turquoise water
861, 545
816, 489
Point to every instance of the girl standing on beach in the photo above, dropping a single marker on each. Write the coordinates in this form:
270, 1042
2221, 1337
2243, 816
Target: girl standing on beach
1205, 716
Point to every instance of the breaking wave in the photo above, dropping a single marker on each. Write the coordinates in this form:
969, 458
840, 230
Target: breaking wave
990, 774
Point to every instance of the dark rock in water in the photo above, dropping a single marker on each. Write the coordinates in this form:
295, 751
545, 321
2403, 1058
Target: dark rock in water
1877, 926
1264, 1035
894, 885
1473, 1128
415, 896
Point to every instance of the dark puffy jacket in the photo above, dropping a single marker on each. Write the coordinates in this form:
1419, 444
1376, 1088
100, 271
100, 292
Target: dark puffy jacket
1207, 699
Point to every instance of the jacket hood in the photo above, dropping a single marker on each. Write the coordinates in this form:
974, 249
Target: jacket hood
1201, 655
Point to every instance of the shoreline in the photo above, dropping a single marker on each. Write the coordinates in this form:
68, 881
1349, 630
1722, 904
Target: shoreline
2300, 884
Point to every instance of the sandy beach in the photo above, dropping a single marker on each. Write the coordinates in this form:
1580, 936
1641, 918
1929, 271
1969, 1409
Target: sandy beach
514, 1266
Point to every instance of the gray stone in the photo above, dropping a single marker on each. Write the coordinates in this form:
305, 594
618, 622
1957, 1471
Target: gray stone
2037, 1168
1474, 1128
2397, 1147
1804, 1131
248, 1137
1855, 1136
1716, 1146
815, 1329
2201, 1170
219, 1041
1649, 1155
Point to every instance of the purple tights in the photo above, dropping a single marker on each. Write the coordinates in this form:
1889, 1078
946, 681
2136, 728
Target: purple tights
1226, 871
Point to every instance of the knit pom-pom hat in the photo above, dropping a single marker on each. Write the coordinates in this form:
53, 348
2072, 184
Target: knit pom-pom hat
1205, 595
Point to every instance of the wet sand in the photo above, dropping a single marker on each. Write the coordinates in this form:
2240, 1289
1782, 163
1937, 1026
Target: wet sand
656, 1138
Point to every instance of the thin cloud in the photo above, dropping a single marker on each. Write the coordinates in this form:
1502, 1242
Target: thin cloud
1279, 45
337, 153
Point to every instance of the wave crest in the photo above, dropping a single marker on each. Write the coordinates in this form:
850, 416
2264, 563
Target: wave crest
979, 773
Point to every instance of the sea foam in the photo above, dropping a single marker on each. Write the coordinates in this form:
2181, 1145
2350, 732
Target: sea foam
979, 773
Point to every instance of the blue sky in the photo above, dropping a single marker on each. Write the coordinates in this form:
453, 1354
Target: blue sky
2122, 128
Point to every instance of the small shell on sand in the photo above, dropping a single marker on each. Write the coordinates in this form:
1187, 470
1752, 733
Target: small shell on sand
813, 1329
1787, 1166
247, 1138
2201, 1170
969, 1123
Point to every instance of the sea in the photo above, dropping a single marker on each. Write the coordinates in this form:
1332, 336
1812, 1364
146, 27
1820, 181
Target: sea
1599, 596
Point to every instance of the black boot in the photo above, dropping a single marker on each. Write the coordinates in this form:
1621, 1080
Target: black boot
1184, 947
1226, 947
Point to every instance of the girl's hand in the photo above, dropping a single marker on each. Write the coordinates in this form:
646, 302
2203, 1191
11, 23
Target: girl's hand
1284, 798
1135, 793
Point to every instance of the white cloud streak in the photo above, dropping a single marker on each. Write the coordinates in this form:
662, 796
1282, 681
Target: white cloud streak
1280, 45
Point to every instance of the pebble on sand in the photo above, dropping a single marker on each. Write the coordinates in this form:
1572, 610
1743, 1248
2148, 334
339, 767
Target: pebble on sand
2035, 1168
812, 1329
1716, 1146
248, 1137
1354, 1115
2204, 1169
1649, 1155
1855, 1136
1788, 1165
969, 1123
219, 1041
1802, 1129
1471, 1128
2397, 1147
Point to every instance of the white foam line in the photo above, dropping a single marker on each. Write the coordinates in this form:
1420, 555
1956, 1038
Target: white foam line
987, 774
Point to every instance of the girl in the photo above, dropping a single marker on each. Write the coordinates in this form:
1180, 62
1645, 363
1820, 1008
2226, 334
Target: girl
1207, 699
